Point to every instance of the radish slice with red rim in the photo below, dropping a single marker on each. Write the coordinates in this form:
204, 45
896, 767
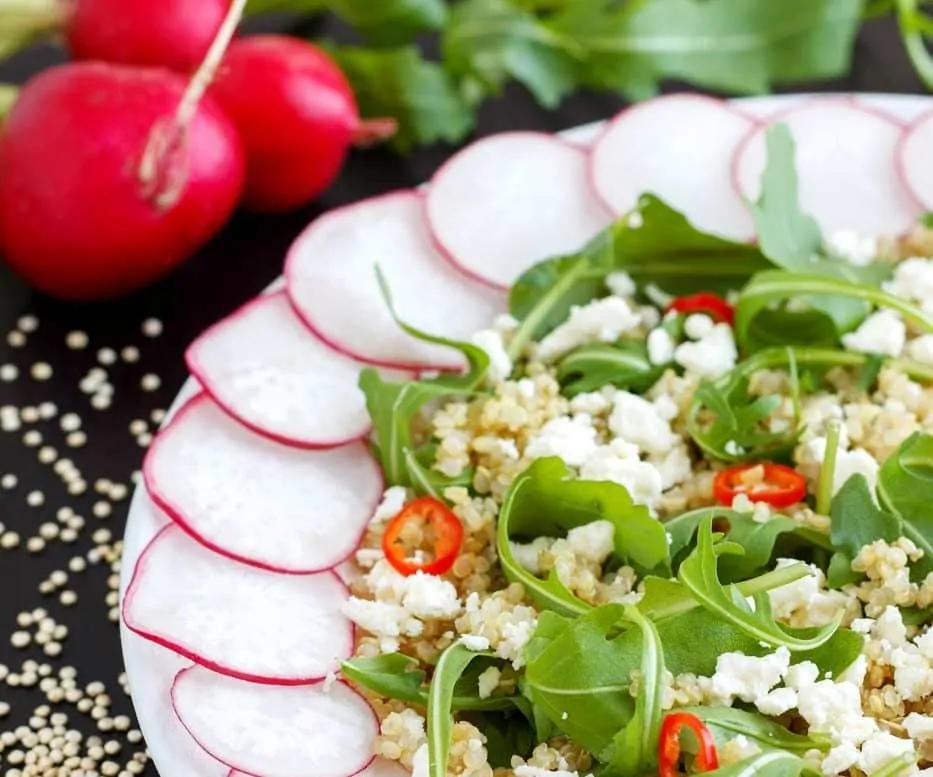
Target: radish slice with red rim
679, 148
380, 767
509, 201
266, 369
845, 156
320, 730
256, 501
913, 159
234, 619
331, 274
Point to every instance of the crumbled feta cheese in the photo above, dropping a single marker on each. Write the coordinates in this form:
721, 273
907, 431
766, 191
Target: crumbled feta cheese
500, 363
748, 677
529, 556
592, 541
420, 763
675, 466
393, 500
840, 759
488, 682
913, 675
777, 702
801, 675
710, 357
650, 316
806, 602
641, 479
882, 748
431, 598
383, 620
572, 439
856, 671
850, 246
636, 420
524, 770
835, 709
660, 346
698, 325
507, 625
737, 749
913, 280
620, 284
890, 628
602, 320
475, 643
918, 726
855, 462
592, 403
920, 349
505, 324
883, 332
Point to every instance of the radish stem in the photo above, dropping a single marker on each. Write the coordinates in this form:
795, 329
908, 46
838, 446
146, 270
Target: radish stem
163, 168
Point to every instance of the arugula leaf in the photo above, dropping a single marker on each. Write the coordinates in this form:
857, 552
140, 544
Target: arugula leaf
392, 405
716, 44
544, 502
896, 765
773, 286
856, 520
452, 664
757, 540
488, 42
725, 723
654, 244
634, 749
400, 83
699, 574
624, 365
905, 489
397, 676
771, 763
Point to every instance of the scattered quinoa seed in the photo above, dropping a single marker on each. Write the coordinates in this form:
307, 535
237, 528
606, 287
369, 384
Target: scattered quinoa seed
41, 371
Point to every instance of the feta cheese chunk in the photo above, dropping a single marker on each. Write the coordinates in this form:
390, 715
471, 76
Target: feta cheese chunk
660, 346
835, 709
883, 332
593, 541
603, 320
698, 325
640, 478
393, 500
850, 246
572, 439
882, 748
620, 284
636, 420
500, 363
913, 280
748, 678
855, 462
712, 356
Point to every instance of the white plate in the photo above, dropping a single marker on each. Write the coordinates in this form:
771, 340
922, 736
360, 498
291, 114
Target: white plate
147, 666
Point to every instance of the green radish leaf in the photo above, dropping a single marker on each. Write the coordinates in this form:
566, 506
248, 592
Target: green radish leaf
490, 42
720, 45
392, 405
905, 489
390, 22
699, 573
544, 502
624, 365
440, 721
400, 83
726, 723
634, 750
770, 763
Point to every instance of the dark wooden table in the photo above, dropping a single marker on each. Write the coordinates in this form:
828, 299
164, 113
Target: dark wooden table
237, 265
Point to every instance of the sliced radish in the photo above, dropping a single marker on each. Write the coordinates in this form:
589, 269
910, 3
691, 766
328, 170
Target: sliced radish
680, 148
913, 159
256, 501
331, 273
380, 767
319, 730
509, 201
238, 620
266, 369
845, 164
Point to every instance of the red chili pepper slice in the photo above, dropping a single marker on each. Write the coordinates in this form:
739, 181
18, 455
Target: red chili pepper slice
775, 484
440, 530
707, 759
704, 302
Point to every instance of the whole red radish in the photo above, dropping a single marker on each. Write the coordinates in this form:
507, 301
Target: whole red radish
166, 33
90, 207
296, 115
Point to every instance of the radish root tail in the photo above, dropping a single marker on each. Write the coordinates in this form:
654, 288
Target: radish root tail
372, 132
163, 170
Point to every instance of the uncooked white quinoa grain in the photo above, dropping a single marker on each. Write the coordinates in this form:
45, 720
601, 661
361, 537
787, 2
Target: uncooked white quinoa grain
150, 382
41, 371
152, 327
76, 341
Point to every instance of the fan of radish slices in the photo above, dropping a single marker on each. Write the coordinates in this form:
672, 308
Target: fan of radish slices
260, 486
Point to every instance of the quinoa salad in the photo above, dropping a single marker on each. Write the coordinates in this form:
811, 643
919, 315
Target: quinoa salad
676, 516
